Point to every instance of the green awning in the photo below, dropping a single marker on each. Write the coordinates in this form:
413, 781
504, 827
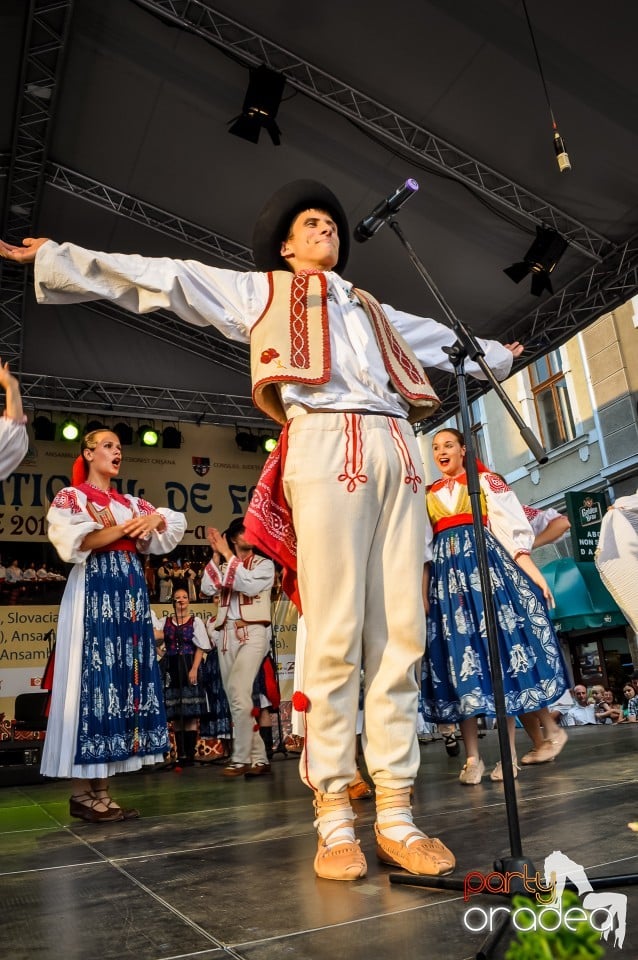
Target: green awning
582, 600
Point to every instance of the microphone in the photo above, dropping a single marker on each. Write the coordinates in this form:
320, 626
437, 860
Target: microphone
367, 227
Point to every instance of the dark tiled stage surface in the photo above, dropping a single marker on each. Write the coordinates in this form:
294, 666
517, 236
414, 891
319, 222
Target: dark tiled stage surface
218, 869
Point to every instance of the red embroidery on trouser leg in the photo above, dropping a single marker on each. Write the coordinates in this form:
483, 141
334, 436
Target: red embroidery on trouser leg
353, 461
411, 476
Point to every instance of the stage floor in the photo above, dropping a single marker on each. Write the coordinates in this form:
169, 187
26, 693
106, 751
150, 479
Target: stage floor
218, 868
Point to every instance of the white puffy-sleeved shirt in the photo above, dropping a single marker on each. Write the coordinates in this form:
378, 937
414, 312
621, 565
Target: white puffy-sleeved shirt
232, 302
200, 633
505, 514
70, 522
539, 520
14, 443
248, 580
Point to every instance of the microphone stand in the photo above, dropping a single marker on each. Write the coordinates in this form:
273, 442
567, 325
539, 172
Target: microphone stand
467, 346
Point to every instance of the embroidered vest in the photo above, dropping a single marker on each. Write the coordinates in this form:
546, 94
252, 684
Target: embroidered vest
251, 609
442, 518
290, 343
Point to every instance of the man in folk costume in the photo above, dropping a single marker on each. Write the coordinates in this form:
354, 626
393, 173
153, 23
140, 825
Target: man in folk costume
345, 376
243, 585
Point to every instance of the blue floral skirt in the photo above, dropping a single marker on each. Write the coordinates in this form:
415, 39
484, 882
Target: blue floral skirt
456, 681
121, 708
216, 722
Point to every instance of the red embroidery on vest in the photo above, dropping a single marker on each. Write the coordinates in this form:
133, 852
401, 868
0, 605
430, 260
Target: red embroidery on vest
416, 375
411, 476
299, 347
353, 463
268, 355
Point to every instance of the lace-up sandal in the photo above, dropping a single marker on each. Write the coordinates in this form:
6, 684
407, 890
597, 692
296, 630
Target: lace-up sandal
84, 807
414, 852
339, 856
128, 813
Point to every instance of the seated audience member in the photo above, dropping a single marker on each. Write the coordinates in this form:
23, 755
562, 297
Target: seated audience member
29, 573
3, 572
597, 700
42, 573
630, 706
580, 713
612, 711
14, 573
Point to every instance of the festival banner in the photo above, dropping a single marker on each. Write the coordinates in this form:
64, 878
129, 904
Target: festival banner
208, 479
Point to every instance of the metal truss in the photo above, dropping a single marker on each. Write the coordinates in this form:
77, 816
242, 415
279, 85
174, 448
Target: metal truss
236, 255
46, 33
166, 327
45, 392
597, 290
252, 49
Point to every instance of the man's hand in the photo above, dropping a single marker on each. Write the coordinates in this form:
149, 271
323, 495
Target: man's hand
515, 348
219, 543
24, 254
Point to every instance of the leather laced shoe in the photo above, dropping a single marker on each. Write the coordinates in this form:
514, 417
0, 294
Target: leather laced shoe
128, 813
451, 745
360, 789
343, 858
343, 861
257, 770
235, 769
558, 742
543, 754
497, 772
426, 856
472, 772
83, 807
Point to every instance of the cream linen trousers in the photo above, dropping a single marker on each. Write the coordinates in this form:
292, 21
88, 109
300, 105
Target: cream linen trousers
354, 485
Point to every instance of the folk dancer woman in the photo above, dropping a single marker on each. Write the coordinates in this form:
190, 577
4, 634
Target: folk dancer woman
106, 714
457, 684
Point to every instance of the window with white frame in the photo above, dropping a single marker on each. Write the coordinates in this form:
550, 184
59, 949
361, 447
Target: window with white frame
551, 400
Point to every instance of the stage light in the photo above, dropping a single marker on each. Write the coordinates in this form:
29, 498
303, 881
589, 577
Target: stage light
95, 425
268, 443
540, 260
247, 441
70, 430
265, 87
171, 438
125, 432
148, 436
43, 428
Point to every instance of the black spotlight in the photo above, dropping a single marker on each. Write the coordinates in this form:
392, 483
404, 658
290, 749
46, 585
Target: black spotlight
124, 432
246, 441
540, 260
171, 438
261, 103
43, 428
94, 425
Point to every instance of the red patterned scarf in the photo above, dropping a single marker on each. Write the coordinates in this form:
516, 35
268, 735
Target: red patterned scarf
268, 522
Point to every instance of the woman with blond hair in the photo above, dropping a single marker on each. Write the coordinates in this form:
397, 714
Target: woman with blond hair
106, 714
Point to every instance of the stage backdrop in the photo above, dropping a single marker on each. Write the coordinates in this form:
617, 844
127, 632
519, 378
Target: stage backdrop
25, 635
209, 479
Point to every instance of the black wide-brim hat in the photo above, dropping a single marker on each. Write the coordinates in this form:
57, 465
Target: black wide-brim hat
273, 224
